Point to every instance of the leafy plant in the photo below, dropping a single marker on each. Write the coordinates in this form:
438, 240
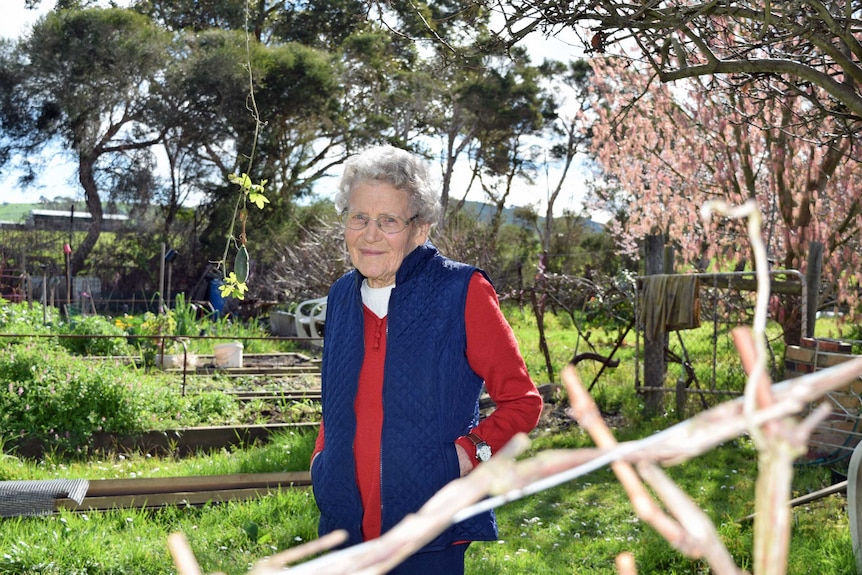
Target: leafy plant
152, 329
94, 335
234, 284
21, 319
54, 398
212, 407
185, 317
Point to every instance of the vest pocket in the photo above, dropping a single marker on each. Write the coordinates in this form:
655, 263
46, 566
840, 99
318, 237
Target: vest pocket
453, 470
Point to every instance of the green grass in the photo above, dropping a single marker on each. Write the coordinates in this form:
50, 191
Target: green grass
15, 212
288, 451
578, 527
582, 526
227, 537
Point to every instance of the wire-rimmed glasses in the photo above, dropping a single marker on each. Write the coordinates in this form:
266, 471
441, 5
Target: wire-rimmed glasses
387, 224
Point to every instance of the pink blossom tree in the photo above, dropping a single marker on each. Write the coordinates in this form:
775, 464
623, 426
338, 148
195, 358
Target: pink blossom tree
665, 149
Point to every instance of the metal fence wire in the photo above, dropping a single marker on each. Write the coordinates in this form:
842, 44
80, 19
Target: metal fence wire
38, 497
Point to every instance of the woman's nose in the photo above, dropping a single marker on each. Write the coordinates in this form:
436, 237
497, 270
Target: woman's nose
372, 230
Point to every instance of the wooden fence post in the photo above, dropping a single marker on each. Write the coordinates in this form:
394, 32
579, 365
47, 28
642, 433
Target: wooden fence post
812, 286
654, 360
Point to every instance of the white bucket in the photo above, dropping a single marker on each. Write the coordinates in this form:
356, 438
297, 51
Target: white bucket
228, 354
175, 361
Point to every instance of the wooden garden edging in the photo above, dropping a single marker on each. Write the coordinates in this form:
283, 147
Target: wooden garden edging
180, 441
189, 440
107, 494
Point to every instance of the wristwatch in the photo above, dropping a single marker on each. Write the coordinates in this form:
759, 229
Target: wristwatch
483, 450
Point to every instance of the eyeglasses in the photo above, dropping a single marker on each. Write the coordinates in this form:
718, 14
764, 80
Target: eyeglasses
387, 224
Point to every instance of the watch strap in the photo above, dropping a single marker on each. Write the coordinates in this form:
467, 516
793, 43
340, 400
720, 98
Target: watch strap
475, 439
483, 450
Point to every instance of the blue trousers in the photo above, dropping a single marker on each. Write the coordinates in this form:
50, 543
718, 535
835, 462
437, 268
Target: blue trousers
447, 562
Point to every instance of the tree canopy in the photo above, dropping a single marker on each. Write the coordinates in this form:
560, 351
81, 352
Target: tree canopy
93, 100
768, 48
161, 102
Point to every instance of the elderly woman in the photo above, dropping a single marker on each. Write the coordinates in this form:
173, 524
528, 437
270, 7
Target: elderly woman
411, 338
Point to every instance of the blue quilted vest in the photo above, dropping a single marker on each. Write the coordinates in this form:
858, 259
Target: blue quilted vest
430, 397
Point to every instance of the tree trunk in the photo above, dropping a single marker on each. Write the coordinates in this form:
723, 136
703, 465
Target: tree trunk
94, 206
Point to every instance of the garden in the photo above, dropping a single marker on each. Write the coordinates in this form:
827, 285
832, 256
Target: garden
66, 383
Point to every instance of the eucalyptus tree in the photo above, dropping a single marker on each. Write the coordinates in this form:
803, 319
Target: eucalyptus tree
508, 105
568, 128
324, 80
80, 82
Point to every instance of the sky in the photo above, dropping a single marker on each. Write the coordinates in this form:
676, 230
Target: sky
60, 178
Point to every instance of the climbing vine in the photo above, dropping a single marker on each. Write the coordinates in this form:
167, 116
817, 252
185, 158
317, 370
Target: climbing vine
235, 282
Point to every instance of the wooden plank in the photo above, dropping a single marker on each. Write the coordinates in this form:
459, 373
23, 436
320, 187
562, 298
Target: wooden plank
252, 370
105, 494
192, 439
154, 500
742, 283
311, 394
151, 485
807, 355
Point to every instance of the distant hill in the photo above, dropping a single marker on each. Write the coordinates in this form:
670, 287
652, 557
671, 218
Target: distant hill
16, 213
483, 212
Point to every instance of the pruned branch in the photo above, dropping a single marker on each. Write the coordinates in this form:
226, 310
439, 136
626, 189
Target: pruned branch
803, 42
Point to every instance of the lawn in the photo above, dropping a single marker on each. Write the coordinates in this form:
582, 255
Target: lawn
578, 527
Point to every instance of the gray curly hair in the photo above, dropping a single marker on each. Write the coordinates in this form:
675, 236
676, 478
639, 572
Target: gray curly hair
401, 169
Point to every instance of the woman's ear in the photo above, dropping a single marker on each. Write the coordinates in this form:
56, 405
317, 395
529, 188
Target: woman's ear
421, 233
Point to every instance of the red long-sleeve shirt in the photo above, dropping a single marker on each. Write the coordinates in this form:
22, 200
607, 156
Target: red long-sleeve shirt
493, 354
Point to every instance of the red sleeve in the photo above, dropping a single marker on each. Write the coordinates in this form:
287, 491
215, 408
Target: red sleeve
318, 443
493, 353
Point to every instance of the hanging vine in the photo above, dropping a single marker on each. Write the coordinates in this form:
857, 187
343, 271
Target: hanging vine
235, 282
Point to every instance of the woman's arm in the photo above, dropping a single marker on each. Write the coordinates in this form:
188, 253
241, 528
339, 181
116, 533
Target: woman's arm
493, 353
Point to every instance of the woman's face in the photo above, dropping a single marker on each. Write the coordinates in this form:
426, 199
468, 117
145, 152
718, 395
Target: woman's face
375, 254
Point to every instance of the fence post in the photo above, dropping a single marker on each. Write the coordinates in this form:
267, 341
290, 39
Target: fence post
654, 361
812, 286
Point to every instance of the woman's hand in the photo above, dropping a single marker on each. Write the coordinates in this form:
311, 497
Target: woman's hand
465, 462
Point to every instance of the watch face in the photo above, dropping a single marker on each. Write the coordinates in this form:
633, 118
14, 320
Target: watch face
483, 452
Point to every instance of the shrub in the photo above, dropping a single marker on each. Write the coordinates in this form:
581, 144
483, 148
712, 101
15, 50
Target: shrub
21, 319
52, 398
101, 344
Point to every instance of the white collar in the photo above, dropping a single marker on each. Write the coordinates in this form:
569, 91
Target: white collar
376, 299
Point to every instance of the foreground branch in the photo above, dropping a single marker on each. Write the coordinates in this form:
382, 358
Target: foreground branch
505, 480
765, 412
